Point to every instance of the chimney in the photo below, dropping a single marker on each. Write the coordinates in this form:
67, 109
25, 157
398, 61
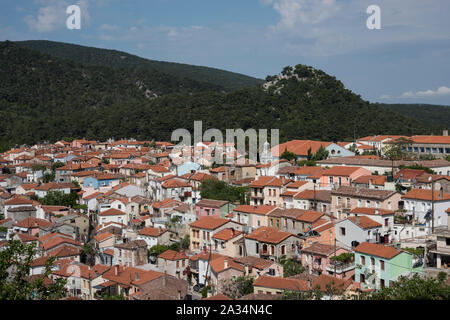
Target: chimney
225, 264
445, 133
116, 270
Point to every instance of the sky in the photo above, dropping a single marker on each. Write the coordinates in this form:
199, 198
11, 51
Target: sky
406, 61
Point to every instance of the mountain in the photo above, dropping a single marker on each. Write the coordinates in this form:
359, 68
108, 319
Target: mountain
117, 59
438, 116
46, 98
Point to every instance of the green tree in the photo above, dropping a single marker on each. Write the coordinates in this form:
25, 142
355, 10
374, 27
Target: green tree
418, 287
288, 155
158, 249
238, 287
291, 267
220, 190
58, 198
185, 243
15, 282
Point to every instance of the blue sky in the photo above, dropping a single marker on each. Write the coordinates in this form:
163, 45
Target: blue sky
407, 61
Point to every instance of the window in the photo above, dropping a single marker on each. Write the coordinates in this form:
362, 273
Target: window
363, 260
382, 283
447, 241
372, 262
331, 179
359, 203
368, 203
342, 231
386, 222
283, 250
257, 247
381, 264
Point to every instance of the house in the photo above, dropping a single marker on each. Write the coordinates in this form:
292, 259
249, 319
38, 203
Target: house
154, 236
113, 215
267, 190
214, 208
377, 266
438, 146
202, 231
294, 220
339, 176
441, 253
301, 148
332, 287
304, 173
354, 230
252, 217
221, 270
373, 182
256, 267
101, 180
43, 189
277, 285
163, 287
131, 253
383, 217
229, 242
270, 243
177, 189
418, 203
91, 278
318, 200
22, 204
344, 199
317, 258
173, 263
31, 226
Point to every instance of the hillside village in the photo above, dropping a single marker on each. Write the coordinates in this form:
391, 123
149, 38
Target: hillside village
127, 218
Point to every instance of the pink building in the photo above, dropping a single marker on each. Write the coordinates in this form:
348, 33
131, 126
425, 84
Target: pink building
317, 260
340, 176
213, 208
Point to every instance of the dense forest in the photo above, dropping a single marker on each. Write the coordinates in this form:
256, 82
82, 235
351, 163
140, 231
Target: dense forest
117, 59
43, 98
438, 116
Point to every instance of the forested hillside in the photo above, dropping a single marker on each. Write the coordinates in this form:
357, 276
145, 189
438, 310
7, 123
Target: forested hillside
117, 59
45, 98
438, 116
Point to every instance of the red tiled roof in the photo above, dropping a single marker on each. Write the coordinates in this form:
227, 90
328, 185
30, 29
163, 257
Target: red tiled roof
365, 222
210, 223
172, 255
378, 250
269, 235
261, 209
372, 211
112, 212
152, 232
31, 222
290, 284
227, 234
425, 194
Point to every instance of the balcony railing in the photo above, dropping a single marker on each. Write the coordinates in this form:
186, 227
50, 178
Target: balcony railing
340, 267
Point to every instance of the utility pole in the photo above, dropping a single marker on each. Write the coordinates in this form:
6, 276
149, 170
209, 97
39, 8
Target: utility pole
335, 256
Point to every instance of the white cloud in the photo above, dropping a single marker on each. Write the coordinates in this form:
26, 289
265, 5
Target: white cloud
441, 91
52, 15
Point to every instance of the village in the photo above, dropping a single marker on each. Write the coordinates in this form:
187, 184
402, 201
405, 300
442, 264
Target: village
130, 218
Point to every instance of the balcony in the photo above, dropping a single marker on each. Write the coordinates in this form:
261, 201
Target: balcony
257, 195
341, 267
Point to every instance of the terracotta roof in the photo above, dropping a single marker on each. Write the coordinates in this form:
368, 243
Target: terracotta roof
372, 211
55, 186
172, 255
365, 222
425, 194
152, 232
175, 183
131, 245
210, 223
281, 283
261, 182
378, 250
227, 234
324, 281
211, 203
297, 184
299, 147
269, 235
339, 171
320, 195
219, 296
112, 212
363, 192
103, 236
31, 222
17, 201
376, 180
255, 262
64, 251
57, 241
260, 210
431, 139
109, 252
26, 237
218, 264
320, 249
